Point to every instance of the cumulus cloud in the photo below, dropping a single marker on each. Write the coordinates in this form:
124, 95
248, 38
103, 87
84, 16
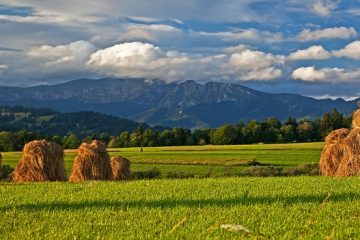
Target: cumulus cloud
324, 7
75, 52
308, 74
269, 73
314, 52
250, 59
46, 64
139, 59
327, 33
352, 50
335, 75
254, 65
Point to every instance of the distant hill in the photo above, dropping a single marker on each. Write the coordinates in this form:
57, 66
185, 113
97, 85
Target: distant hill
50, 122
188, 104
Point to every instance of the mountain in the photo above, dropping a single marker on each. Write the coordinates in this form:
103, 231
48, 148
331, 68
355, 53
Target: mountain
187, 104
49, 122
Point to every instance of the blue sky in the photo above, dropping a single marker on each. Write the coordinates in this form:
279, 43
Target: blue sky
299, 46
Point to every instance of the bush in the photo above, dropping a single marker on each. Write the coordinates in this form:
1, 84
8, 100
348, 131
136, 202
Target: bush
304, 169
148, 174
259, 171
270, 171
6, 170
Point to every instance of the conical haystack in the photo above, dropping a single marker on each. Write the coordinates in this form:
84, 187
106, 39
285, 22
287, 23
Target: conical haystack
92, 163
356, 119
337, 136
350, 165
41, 161
341, 154
120, 168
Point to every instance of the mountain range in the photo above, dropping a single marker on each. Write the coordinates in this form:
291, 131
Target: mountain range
187, 104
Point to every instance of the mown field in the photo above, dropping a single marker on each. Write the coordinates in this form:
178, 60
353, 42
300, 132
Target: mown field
202, 160
255, 208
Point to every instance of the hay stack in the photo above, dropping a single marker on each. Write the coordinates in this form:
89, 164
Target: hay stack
341, 154
120, 168
333, 152
350, 164
41, 161
356, 119
337, 136
92, 163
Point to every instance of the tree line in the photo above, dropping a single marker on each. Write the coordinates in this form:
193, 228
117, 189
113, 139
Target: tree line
271, 130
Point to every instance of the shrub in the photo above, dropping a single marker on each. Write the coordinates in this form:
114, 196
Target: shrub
148, 174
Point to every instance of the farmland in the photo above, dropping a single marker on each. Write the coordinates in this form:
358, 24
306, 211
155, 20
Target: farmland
266, 208
199, 160
308, 207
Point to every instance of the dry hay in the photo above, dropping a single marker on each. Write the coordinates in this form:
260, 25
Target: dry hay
337, 135
120, 168
92, 163
350, 165
356, 119
333, 152
41, 161
331, 158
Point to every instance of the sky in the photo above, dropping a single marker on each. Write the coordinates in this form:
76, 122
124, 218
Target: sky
296, 46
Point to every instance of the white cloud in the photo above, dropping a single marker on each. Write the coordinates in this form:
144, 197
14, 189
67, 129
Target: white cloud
250, 59
147, 32
75, 52
354, 11
352, 50
238, 48
324, 7
334, 75
308, 74
327, 33
255, 65
314, 52
51, 18
3, 67
238, 10
250, 34
269, 73
137, 59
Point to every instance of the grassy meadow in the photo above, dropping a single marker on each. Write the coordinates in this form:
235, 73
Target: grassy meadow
200, 160
211, 208
306, 207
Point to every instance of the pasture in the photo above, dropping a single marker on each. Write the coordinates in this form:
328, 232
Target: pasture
221, 208
200, 160
207, 208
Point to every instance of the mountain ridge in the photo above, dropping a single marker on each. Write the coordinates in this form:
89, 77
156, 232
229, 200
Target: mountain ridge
186, 104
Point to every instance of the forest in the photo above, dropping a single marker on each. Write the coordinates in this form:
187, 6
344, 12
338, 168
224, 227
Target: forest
70, 129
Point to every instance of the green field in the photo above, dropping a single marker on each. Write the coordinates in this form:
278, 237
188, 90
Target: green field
200, 160
208, 208
269, 208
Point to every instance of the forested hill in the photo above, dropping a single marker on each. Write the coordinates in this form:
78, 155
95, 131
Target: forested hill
188, 104
49, 122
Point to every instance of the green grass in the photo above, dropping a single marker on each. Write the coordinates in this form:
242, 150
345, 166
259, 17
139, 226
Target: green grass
199, 160
270, 208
